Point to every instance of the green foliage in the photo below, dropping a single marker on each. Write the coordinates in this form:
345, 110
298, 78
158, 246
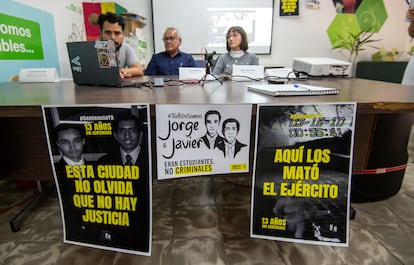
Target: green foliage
354, 43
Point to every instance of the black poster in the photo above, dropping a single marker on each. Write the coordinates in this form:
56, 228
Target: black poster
100, 157
289, 8
303, 165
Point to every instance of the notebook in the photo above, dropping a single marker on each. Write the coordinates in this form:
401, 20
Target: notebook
95, 63
247, 72
292, 90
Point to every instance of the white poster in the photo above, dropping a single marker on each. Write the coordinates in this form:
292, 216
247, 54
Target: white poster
196, 140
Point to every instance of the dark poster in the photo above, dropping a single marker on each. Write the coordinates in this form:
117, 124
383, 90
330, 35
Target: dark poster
289, 8
101, 163
302, 170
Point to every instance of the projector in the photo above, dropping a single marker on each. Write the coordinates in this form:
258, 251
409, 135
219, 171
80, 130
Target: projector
319, 66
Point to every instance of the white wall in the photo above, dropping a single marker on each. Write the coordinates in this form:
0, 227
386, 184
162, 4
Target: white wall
299, 36
305, 35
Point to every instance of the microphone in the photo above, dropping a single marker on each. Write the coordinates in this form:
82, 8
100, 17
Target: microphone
205, 52
209, 57
210, 62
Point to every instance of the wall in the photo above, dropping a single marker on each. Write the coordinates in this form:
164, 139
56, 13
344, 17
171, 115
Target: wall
41, 41
305, 35
296, 36
69, 22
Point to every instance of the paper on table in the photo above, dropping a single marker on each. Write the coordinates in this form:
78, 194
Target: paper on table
292, 90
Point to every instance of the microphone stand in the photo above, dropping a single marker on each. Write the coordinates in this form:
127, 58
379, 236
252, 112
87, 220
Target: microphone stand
209, 63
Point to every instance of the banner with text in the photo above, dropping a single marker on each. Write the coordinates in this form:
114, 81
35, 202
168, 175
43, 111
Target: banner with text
302, 171
196, 140
20, 39
289, 8
102, 167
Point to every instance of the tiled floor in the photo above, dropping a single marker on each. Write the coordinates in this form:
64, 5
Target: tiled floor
206, 221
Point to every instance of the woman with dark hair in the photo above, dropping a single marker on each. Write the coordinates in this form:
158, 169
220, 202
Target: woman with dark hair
237, 46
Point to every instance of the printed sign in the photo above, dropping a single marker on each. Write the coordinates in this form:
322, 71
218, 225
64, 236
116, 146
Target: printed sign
196, 140
303, 165
101, 164
20, 39
289, 8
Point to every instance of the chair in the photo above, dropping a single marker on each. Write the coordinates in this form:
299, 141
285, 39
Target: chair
381, 71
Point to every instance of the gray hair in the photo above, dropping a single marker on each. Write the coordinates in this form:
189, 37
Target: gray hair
174, 29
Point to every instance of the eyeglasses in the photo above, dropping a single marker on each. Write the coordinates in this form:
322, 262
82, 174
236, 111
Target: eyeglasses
234, 35
169, 38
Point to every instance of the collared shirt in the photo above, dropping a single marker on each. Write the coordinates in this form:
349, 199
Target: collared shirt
163, 64
70, 162
73, 163
134, 155
230, 148
211, 140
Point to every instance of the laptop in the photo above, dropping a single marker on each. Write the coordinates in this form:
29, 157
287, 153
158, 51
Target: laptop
95, 63
247, 72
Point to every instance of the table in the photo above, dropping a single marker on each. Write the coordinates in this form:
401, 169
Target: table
24, 152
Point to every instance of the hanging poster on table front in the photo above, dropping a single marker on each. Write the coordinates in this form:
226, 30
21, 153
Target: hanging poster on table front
197, 140
100, 156
302, 170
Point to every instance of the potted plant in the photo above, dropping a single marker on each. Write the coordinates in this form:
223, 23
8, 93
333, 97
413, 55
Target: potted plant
354, 43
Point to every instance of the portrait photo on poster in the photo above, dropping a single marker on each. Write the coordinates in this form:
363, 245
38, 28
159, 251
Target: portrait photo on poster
196, 140
302, 171
100, 157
